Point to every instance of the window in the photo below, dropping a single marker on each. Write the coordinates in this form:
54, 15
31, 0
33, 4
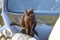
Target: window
41, 19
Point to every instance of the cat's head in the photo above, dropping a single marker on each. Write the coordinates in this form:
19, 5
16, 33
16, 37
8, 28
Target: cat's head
29, 12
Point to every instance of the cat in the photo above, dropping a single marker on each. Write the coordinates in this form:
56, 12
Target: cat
28, 22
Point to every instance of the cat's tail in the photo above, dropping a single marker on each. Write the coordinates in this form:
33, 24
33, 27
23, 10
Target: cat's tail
36, 32
11, 24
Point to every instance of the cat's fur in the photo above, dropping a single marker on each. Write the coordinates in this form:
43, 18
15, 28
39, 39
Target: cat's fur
28, 22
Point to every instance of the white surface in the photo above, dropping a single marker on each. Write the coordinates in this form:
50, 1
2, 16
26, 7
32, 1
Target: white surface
20, 36
55, 34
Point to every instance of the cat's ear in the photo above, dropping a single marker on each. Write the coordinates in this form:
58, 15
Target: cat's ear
25, 11
32, 9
